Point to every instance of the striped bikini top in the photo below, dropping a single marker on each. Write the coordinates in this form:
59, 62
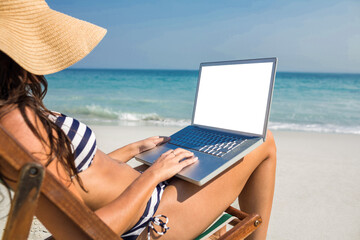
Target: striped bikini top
82, 138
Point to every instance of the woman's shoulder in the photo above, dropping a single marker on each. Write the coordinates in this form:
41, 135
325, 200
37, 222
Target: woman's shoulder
14, 119
15, 123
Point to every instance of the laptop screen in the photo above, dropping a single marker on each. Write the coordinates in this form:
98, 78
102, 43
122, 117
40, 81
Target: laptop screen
235, 95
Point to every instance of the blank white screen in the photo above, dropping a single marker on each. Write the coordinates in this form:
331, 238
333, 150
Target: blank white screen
234, 96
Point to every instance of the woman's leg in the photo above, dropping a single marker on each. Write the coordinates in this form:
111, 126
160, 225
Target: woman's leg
257, 194
191, 209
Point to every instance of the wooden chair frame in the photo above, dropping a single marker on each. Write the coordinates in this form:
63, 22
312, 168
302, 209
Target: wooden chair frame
38, 192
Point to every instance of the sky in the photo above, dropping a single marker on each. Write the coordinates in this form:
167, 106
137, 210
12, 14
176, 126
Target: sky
306, 36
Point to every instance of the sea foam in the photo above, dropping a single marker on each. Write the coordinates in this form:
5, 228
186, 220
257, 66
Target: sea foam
96, 114
316, 102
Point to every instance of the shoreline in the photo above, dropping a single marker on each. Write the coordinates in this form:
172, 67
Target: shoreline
316, 190
153, 120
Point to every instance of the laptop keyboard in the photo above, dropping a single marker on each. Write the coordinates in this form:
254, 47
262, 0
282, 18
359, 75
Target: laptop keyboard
217, 144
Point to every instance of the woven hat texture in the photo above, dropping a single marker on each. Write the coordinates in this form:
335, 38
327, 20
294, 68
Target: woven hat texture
41, 40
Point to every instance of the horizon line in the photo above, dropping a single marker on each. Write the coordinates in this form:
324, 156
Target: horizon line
171, 69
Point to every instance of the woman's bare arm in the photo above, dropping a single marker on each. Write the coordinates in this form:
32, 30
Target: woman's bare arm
129, 151
119, 215
124, 154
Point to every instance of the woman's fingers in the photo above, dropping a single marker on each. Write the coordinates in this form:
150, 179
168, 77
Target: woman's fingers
165, 154
178, 156
176, 152
173, 161
162, 140
188, 161
181, 150
158, 140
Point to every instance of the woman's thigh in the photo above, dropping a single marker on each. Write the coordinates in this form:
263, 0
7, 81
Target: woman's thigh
191, 209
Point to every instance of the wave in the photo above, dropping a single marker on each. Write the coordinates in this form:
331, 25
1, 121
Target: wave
320, 128
153, 118
95, 114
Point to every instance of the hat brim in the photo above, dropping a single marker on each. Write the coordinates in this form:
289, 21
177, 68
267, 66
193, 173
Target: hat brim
47, 41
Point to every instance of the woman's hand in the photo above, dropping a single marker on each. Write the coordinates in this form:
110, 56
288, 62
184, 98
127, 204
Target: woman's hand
172, 162
127, 152
151, 142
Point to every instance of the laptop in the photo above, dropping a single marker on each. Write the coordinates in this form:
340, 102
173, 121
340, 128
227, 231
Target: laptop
230, 117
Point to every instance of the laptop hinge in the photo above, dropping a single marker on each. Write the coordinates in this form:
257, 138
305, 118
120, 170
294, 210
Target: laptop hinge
230, 131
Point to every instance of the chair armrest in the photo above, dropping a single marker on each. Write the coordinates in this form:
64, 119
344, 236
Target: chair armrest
243, 227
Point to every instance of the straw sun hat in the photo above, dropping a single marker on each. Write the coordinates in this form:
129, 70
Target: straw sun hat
42, 40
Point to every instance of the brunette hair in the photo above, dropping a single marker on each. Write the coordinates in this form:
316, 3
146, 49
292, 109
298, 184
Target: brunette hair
24, 90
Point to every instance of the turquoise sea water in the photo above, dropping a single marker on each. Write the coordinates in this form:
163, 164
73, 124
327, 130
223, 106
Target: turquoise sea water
316, 102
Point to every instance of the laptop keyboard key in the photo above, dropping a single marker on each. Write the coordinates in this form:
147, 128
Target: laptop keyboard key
204, 141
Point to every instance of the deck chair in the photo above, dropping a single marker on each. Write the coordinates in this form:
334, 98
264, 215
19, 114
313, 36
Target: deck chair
39, 193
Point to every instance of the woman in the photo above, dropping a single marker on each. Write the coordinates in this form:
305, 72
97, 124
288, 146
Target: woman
35, 40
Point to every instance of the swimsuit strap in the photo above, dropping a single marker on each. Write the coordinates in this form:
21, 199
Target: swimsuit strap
159, 222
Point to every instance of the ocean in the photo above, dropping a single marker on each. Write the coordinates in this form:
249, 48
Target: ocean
316, 102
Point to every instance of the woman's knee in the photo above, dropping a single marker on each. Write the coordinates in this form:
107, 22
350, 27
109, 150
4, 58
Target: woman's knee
270, 143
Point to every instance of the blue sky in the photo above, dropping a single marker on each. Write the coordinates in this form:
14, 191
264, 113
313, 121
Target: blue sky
311, 36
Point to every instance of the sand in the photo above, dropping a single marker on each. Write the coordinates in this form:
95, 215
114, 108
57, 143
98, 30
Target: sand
317, 194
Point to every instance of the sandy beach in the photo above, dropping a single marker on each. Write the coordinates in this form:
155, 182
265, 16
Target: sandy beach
317, 193
130, 70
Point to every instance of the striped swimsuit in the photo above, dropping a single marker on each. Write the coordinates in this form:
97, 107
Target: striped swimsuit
148, 219
84, 148
82, 139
